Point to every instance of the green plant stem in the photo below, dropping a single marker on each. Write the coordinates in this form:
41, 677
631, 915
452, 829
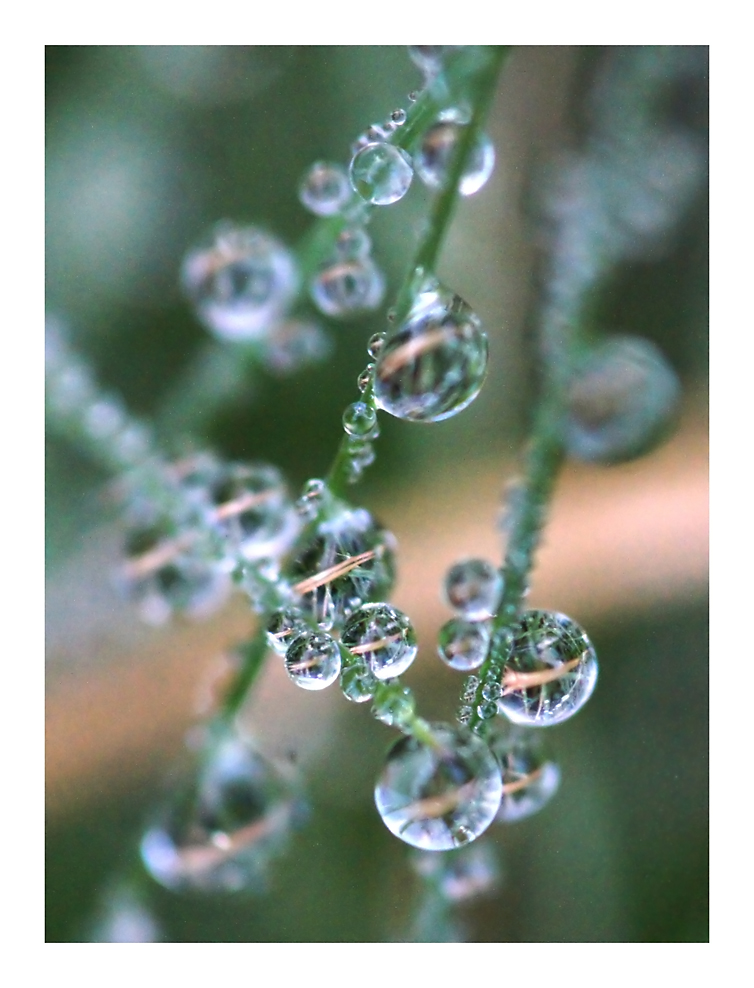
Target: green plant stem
253, 654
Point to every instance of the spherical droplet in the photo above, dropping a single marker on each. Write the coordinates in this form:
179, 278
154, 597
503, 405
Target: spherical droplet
394, 704
241, 283
434, 365
530, 777
435, 155
463, 644
384, 636
359, 419
294, 344
357, 682
550, 671
376, 345
460, 875
381, 173
622, 398
282, 627
251, 508
473, 588
313, 660
220, 833
398, 117
365, 378
353, 244
324, 189
439, 795
346, 561
347, 287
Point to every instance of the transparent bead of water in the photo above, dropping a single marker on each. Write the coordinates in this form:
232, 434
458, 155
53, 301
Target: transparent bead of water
435, 363
347, 287
221, 831
463, 644
313, 660
439, 795
530, 777
473, 588
163, 574
293, 344
359, 419
353, 244
394, 704
381, 173
365, 378
241, 283
357, 682
622, 399
435, 155
324, 189
429, 58
348, 560
550, 670
461, 875
384, 636
282, 627
398, 117
376, 345
251, 509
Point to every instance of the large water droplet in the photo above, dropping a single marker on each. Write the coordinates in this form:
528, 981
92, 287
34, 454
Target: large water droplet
530, 777
550, 671
435, 155
381, 173
346, 561
384, 636
441, 795
621, 400
347, 287
434, 365
313, 660
220, 833
241, 282
463, 644
324, 189
473, 587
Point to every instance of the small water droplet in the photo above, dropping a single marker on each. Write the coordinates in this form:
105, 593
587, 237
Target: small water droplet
282, 627
435, 155
313, 660
357, 683
441, 795
394, 704
473, 588
353, 244
365, 378
435, 363
347, 287
381, 173
384, 636
359, 419
463, 644
398, 117
376, 345
325, 189
530, 777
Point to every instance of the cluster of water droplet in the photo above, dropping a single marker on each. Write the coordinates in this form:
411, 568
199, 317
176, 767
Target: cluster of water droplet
433, 364
621, 399
473, 588
349, 282
220, 832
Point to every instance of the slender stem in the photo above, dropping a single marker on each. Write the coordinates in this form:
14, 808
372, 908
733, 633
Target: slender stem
253, 654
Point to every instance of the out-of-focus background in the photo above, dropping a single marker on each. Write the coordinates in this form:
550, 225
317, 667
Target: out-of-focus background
147, 147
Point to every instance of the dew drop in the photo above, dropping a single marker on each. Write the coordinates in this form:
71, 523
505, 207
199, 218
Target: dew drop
347, 287
473, 588
463, 644
241, 282
282, 627
435, 155
460, 875
381, 173
313, 660
384, 636
365, 378
530, 777
359, 419
441, 795
376, 345
324, 189
429, 58
293, 344
221, 831
394, 705
621, 401
550, 671
398, 117
353, 244
434, 365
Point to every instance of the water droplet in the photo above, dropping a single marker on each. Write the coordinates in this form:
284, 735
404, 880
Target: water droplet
376, 345
384, 636
412, 96
346, 561
550, 671
473, 587
165, 572
487, 711
220, 832
381, 173
324, 189
530, 777
460, 875
621, 401
434, 365
429, 58
124, 918
394, 704
359, 419
294, 344
251, 509
283, 627
357, 682
365, 378
347, 287
313, 660
241, 283
463, 644
435, 155
353, 244
398, 117
441, 795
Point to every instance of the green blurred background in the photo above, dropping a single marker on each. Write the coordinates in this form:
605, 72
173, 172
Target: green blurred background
146, 149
